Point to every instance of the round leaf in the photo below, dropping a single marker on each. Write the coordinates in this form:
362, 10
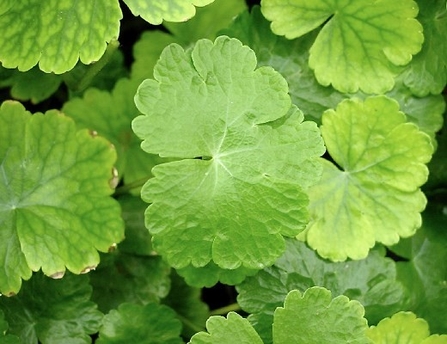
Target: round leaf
375, 194
360, 43
150, 324
55, 209
315, 318
243, 192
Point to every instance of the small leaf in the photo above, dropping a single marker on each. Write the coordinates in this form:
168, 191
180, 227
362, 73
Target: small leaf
155, 11
376, 195
404, 327
52, 311
56, 33
360, 43
55, 204
247, 156
315, 318
136, 324
229, 330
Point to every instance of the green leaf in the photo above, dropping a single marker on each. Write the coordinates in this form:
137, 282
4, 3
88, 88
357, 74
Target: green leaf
371, 281
155, 11
136, 324
56, 33
6, 338
404, 327
425, 273
110, 115
124, 277
146, 52
229, 330
33, 85
361, 42
55, 209
138, 240
375, 195
291, 57
427, 73
244, 193
207, 21
314, 317
187, 303
210, 274
205, 24
52, 311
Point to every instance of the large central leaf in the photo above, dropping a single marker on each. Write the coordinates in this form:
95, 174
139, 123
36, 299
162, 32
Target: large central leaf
233, 203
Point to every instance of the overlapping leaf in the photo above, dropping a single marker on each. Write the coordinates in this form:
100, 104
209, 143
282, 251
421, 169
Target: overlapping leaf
155, 11
360, 43
404, 327
375, 195
55, 209
56, 33
6, 338
110, 115
291, 57
229, 330
371, 281
314, 318
149, 324
205, 24
428, 71
246, 153
425, 272
52, 311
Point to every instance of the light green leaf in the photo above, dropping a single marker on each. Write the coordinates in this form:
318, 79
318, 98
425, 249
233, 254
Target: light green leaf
56, 33
233, 204
55, 209
124, 277
427, 73
155, 11
361, 42
52, 311
136, 324
314, 317
371, 281
229, 330
110, 115
375, 195
404, 328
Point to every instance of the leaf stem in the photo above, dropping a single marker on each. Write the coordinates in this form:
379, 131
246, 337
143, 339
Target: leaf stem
234, 307
78, 85
121, 190
189, 326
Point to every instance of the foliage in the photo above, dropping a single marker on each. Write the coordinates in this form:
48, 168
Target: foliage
292, 151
